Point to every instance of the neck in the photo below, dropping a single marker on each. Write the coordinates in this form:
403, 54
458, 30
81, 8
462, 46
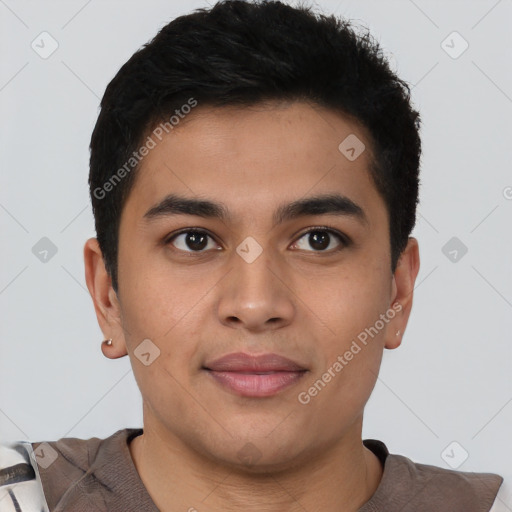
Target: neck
177, 478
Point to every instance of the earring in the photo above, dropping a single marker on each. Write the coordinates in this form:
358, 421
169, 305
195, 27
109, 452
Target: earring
398, 333
108, 342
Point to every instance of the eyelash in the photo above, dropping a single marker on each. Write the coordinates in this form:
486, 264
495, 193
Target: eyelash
342, 238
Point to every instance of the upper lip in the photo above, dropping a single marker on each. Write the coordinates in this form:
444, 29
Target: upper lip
242, 362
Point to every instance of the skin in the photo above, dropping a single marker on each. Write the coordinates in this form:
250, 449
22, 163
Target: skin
293, 300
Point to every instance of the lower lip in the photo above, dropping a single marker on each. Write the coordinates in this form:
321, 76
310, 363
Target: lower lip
254, 385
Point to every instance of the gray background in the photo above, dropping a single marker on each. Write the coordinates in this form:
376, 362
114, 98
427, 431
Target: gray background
450, 381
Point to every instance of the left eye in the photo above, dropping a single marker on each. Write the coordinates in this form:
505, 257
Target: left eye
320, 240
193, 241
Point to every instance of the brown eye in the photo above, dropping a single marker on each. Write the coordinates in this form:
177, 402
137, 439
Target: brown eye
193, 241
320, 240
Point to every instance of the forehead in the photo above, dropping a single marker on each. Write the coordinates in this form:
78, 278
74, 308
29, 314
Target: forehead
250, 157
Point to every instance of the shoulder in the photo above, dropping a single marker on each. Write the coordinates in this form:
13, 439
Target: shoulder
20, 484
448, 489
503, 501
61, 475
410, 486
72, 470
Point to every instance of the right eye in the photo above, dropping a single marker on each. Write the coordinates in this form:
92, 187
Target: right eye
192, 241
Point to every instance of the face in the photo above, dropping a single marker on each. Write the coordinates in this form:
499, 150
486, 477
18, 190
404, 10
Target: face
275, 243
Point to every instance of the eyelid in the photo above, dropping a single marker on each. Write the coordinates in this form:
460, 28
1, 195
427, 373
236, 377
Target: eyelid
169, 238
344, 239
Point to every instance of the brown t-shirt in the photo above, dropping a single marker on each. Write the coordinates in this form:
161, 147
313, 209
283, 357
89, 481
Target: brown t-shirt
99, 475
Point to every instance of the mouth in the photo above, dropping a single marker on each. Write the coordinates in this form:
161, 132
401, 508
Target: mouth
255, 376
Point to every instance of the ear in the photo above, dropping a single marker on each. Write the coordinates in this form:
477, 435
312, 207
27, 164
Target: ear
105, 300
402, 292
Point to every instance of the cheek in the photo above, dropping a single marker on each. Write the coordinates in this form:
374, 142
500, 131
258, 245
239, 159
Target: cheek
349, 334
349, 356
352, 306
157, 297
173, 331
347, 303
168, 307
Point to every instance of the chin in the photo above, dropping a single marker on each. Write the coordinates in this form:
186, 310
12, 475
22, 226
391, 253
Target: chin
258, 454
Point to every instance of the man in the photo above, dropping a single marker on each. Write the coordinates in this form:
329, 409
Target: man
254, 181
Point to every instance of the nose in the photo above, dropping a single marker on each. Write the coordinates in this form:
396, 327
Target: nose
256, 296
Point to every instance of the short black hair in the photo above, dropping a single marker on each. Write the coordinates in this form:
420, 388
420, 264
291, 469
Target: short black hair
240, 53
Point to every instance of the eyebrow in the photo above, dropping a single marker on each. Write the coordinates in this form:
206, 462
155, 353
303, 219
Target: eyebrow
333, 204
